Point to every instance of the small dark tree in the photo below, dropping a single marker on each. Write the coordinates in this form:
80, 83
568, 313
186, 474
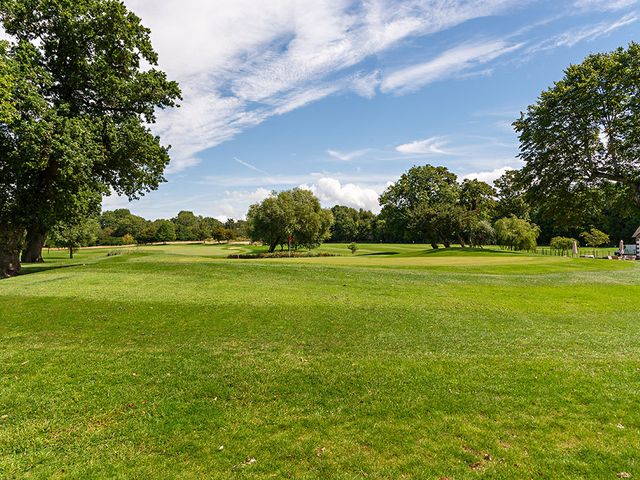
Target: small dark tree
166, 231
74, 235
595, 238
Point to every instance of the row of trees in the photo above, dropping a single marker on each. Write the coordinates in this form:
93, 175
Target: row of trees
121, 227
185, 226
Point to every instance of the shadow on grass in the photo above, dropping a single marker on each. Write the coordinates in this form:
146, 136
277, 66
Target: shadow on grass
29, 268
467, 251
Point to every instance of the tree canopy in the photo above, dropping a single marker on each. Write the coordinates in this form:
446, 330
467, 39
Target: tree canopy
428, 204
82, 97
292, 217
582, 135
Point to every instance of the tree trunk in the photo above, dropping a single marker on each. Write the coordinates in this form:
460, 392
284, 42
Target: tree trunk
71, 253
33, 250
10, 244
273, 246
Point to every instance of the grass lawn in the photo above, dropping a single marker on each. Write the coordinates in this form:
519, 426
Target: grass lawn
398, 362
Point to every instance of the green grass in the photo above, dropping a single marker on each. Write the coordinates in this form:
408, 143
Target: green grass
397, 362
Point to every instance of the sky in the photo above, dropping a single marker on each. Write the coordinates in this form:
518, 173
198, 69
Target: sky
342, 96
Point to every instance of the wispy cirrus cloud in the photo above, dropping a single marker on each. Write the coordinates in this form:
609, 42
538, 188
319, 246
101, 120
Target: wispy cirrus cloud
583, 34
348, 156
249, 166
453, 61
604, 5
287, 54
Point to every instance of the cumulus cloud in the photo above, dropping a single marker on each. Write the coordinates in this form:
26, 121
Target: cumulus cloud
235, 204
240, 62
428, 146
331, 192
489, 176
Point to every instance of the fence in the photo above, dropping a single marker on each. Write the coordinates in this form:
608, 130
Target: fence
596, 253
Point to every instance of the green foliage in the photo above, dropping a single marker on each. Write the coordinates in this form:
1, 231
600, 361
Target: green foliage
292, 217
595, 238
82, 86
222, 234
516, 234
479, 197
71, 235
511, 196
128, 239
562, 244
353, 247
439, 223
120, 222
420, 187
581, 135
428, 205
351, 224
165, 231
482, 233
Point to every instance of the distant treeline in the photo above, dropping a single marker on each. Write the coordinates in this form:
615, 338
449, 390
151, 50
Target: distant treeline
121, 227
428, 201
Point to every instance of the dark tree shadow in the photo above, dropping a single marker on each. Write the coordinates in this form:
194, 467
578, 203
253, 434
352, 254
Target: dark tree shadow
30, 268
378, 253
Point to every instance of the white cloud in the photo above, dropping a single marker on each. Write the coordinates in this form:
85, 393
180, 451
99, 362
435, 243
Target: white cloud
250, 166
347, 156
4, 35
240, 62
366, 84
575, 36
489, 176
453, 61
113, 202
236, 203
428, 146
331, 192
603, 5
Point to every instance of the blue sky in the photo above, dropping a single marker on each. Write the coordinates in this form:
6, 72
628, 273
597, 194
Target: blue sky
343, 96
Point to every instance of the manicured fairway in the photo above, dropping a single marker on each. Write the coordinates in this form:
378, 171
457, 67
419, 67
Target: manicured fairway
399, 362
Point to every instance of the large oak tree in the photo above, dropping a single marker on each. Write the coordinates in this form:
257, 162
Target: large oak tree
582, 135
80, 76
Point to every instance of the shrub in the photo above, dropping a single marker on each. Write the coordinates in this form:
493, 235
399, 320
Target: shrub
595, 238
353, 246
128, 239
284, 254
120, 251
562, 244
